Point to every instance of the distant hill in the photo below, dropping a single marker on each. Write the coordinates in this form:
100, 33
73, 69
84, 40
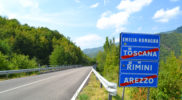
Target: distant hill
170, 41
92, 52
178, 30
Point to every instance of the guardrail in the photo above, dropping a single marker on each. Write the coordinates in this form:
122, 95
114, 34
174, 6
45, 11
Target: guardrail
7, 72
110, 87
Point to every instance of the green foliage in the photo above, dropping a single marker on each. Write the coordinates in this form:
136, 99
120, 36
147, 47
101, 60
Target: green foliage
58, 55
18, 40
170, 70
4, 65
169, 84
83, 97
22, 62
5, 48
112, 63
101, 57
108, 61
170, 42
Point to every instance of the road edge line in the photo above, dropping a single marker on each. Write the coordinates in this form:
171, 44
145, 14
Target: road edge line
81, 86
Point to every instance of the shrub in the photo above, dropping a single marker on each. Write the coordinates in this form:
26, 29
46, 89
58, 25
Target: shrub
22, 62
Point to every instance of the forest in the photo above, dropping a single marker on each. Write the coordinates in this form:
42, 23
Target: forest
170, 68
23, 47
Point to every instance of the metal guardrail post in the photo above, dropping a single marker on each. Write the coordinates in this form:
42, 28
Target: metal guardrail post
100, 85
110, 87
7, 75
110, 97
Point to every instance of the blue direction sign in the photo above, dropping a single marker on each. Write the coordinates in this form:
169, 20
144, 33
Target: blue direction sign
139, 56
139, 53
136, 80
144, 40
139, 67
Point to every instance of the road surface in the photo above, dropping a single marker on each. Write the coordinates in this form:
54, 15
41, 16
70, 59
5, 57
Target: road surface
59, 85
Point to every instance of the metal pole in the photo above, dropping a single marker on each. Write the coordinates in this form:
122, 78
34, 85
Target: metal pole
7, 76
148, 93
100, 85
110, 97
123, 93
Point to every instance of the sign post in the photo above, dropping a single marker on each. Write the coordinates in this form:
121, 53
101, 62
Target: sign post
148, 94
139, 60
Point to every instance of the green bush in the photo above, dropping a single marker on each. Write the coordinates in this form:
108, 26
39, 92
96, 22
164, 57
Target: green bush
22, 62
4, 65
169, 78
169, 82
58, 56
5, 47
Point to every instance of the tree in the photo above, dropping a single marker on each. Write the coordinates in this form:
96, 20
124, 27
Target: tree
101, 57
4, 65
169, 82
106, 45
22, 62
58, 56
5, 48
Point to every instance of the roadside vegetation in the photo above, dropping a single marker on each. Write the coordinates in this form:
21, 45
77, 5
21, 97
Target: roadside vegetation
25, 47
92, 91
170, 71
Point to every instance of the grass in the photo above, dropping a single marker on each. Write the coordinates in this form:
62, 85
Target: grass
93, 91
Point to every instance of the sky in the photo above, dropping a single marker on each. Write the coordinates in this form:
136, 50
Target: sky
88, 22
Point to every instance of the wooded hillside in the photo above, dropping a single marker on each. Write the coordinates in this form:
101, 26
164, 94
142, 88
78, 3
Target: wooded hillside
22, 45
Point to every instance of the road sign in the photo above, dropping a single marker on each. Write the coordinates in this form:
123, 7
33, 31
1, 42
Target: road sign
139, 53
137, 80
139, 56
144, 40
139, 67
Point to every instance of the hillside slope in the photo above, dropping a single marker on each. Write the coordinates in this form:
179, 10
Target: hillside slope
40, 43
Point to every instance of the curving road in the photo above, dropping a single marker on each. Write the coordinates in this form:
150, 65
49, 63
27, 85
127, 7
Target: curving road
51, 86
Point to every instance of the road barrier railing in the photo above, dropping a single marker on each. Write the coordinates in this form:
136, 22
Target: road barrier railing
47, 68
110, 86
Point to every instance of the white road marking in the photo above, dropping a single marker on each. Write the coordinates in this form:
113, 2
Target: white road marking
25, 85
81, 86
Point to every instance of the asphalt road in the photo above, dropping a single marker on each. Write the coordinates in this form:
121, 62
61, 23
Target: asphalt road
51, 86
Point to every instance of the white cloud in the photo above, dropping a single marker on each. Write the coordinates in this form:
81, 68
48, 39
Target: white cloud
120, 19
77, 1
117, 20
18, 8
174, 0
166, 15
88, 41
94, 5
133, 6
37, 17
29, 3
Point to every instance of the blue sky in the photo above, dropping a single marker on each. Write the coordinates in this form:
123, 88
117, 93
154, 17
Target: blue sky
88, 22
